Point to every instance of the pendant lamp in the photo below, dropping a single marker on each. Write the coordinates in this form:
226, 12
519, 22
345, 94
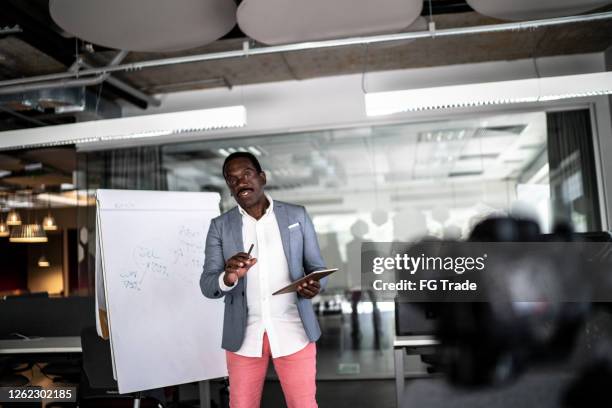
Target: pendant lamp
13, 218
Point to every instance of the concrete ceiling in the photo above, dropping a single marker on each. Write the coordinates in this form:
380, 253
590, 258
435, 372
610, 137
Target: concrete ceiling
572, 39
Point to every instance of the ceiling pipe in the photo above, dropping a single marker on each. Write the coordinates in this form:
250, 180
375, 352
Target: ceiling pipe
64, 83
247, 51
151, 100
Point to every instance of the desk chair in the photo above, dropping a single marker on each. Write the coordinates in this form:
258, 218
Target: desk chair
97, 380
66, 370
9, 373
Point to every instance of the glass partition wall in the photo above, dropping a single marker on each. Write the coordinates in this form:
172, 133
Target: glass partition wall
383, 183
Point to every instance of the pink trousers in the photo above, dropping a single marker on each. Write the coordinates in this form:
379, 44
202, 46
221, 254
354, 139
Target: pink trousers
296, 373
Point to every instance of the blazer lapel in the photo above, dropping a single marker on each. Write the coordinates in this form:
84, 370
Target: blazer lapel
282, 218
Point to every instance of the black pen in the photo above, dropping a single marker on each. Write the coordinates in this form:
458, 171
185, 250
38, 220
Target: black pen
250, 249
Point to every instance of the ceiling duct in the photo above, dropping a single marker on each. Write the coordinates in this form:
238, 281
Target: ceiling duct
56, 99
78, 101
63, 96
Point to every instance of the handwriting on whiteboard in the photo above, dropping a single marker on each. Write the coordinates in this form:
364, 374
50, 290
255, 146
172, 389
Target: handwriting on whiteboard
179, 255
126, 205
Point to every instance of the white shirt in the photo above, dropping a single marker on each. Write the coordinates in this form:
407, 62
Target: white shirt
278, 316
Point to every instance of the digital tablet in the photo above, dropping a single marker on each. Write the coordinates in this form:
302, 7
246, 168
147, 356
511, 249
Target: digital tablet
318, 275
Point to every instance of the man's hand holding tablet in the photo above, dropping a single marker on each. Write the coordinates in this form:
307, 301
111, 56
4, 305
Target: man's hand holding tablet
307, 286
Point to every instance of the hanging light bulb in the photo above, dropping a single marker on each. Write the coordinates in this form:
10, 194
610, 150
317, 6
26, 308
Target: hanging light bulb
49, 223
28, 233
13, 218
4, 229
43, 262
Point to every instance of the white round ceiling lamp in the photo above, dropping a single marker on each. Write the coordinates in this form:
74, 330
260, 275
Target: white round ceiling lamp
145, 25
532, 10
290, 21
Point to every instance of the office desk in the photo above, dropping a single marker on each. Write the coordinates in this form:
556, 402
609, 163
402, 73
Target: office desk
41, 345
403, 345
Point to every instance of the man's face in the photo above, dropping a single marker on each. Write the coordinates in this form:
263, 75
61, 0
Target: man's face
245, 184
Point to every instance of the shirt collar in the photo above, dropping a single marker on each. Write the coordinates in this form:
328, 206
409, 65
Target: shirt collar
269, 210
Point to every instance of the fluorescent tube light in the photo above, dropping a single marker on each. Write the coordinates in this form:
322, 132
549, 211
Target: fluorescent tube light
575, 86
145, 126
185, 122
254, 150
489, 93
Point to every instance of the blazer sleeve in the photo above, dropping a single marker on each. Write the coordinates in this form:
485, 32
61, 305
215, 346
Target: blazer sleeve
313, 261
214, 264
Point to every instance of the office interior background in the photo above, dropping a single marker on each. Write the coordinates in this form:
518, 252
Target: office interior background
426, 171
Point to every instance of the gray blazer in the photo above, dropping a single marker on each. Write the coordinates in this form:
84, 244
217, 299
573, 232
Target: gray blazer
224, 240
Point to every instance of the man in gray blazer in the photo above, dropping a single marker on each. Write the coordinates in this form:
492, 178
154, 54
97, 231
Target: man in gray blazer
257, 325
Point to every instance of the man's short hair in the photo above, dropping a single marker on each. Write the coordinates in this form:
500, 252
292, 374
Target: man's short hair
246, 155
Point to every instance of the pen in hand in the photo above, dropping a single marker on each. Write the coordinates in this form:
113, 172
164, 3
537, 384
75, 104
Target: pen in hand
237, 266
